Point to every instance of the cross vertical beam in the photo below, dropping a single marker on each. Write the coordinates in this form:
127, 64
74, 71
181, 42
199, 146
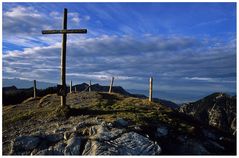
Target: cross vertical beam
63, 59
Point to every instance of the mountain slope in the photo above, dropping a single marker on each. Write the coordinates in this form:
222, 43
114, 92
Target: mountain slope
107, 124
217, 109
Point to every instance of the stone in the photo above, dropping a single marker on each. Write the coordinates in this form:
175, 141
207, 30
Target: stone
49, 152
79, 126
121, 122
24, 143
103, 133
60, 147
85, 131
126, 144
67, 135
161, 131
59, 130
54, 138
73, 146
92, 130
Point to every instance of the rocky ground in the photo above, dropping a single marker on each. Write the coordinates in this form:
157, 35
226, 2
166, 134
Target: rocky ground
107, 124
217, 109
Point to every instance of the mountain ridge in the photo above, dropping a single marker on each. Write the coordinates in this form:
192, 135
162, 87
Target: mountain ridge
14, 92
217, 109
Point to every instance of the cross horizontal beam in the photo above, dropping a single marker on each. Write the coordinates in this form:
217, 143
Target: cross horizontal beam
64, 31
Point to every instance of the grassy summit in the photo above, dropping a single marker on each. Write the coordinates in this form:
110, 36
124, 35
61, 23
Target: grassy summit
43, 114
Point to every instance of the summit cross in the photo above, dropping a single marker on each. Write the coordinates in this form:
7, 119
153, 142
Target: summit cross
64, 33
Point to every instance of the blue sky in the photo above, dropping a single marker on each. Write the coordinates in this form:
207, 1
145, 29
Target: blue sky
189, 48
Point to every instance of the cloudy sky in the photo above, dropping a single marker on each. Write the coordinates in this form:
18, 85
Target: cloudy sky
189, 48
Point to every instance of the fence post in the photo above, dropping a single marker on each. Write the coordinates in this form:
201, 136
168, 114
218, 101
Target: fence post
34, 89
90, 86
111, 85
150, 88
71, 87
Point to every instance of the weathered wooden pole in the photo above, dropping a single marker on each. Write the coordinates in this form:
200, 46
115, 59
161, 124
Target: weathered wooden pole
71, 87
90, 86
34, 89
150, 88
63, 59
111, 85
75, 88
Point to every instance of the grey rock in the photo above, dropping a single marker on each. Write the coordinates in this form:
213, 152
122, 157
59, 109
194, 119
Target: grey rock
60, 147
24, 143
217, 109
85, 131
53, 138
92, 130
109, 124
103, 133
79, 126
162, 131
121, 122
49, 152
60, 130
119, 143
73, 146
67, 135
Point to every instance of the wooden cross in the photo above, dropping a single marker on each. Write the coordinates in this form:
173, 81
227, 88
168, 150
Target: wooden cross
64, 33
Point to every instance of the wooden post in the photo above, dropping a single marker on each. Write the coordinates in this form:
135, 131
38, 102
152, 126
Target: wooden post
150, 88
75, 88
111, 85
90, 86
71, 87
63, 59
34, 89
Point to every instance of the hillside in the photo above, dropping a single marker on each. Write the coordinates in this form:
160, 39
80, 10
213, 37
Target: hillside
13, 95
217, 109
99, 123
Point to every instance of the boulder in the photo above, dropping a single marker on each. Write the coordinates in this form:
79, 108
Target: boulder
121, 122
73, 146
79, 126
103, 133
60, 147
54, 138
161, 131
117, 142
24, 143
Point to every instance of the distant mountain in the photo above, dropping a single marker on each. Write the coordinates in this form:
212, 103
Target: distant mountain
20, 83
217, 109
100, 88
14, 95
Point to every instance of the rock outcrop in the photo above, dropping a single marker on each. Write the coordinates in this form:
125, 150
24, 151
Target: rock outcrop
218, 110
113, 141
102, 139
